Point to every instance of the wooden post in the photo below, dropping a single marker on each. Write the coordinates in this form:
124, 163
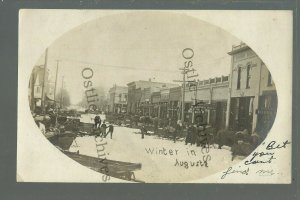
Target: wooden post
44, 82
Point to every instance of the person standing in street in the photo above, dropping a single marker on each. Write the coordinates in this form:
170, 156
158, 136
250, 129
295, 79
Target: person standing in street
97, 121
143, 131
178, 128
189, 136
110, 130
103, 129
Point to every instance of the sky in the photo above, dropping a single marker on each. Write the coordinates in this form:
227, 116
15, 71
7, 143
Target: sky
137, 46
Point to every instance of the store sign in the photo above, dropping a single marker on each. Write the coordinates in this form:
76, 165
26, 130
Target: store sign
207, 106
265, 112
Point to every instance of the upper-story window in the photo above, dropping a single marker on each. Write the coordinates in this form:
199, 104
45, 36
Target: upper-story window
270, 80
248, 76
120, 97
239, 71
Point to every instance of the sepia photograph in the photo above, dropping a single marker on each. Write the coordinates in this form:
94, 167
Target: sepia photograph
157, 97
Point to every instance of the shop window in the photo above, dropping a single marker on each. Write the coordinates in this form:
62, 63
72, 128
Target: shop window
239, 78
248, 76
225, 78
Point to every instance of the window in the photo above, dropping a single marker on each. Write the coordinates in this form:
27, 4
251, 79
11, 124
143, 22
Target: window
225, 78
248, 76
270, 80
239, 78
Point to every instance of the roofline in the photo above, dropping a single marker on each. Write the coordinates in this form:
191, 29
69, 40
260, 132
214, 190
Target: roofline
244, 48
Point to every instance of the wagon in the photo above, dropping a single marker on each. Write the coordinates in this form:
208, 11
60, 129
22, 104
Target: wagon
117, 169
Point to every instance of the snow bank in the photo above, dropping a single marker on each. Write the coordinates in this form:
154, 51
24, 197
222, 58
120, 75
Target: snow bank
162, 160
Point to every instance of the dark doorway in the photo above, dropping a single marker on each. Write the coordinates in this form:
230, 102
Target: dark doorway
266, 113
241, 113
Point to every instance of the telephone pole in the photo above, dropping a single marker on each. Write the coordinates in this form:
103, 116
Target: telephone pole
44, 82
183, 95
182, 91
187, 69
57, 63
61, 92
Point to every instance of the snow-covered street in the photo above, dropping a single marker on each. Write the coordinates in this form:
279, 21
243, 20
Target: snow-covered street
162, 160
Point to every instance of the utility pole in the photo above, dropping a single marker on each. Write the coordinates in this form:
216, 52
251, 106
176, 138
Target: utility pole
195, 103
57, 63
44, 82
61, 92
187, 69
182, 91
183, 95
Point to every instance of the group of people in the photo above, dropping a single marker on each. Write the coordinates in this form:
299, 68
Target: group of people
173, 129
102, 127
196, 134
244, 143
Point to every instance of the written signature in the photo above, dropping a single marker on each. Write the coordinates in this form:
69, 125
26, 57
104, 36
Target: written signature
263, 172
235, 171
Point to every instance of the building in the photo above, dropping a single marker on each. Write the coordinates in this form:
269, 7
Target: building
139, 95
174, 103
37, 84
164, 103
252, 101
206, 102
118, 96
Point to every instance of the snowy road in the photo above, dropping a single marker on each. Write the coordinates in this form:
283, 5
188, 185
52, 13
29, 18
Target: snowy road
162, 160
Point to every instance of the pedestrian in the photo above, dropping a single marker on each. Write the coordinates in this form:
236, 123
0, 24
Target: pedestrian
143, 131
155, 125
178, 128
189, 135
97, 121
103, 129
110, 130
255, 139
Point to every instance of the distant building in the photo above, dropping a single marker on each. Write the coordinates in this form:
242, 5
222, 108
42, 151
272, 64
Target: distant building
252, 97
36, 84
118, 96
174, 103
139, 93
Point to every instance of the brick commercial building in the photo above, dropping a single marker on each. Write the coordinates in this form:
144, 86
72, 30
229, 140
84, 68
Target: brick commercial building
245, 99
252, 97
139, 95
174, 103
118, 99
206, 102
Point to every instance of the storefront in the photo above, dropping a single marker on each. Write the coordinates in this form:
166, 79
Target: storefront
241, 113
266, 112
218, 115
173, 110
